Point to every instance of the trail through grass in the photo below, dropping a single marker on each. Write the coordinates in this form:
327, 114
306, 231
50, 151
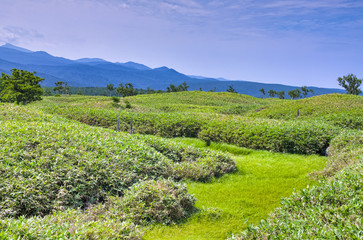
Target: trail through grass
228, 204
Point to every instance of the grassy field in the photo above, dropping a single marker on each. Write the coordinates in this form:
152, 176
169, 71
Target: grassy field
65, 173
228, 204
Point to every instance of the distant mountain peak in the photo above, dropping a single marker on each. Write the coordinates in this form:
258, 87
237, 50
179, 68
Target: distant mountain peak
11, 46
91, 60
135, 65
163, 68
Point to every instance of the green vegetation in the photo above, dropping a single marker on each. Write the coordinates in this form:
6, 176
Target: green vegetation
60, 178
181, 88
127, 90
340, 110
62, 88
331, 210
228, 204
51, 165
351, 84
224, 117
21, 87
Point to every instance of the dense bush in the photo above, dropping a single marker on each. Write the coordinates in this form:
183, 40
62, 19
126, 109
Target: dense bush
70, 224
160, 124
189, 162
153, 201
46, 166
161, 201
344, 150
50, 165
338, 109
273, 135
331, 210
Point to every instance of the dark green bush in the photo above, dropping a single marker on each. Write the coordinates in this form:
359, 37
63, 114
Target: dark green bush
70, 224
345, 150
331, 210
162, 201
189, 162
273, 135
53, 163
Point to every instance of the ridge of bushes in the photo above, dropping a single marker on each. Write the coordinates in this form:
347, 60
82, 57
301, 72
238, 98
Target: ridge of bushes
331, 210
153, 201
48, 166
304, 137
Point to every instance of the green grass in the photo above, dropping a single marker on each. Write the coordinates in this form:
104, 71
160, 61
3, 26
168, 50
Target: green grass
228, 204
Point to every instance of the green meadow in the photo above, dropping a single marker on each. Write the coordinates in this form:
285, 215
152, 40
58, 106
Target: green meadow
228, 204
200, 165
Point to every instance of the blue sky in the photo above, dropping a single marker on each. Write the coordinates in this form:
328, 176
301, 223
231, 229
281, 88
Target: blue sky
293, 42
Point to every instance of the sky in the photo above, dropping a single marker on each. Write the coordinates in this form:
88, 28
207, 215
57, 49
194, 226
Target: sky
292, 42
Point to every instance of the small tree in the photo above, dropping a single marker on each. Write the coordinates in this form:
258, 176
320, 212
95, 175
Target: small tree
231, 89
271, 93
263, 92
110, 88
61, 87
281, 94
351, 84
47, 92
21, 87
126, 90
182, 87
172, 88
294, 93
305, 91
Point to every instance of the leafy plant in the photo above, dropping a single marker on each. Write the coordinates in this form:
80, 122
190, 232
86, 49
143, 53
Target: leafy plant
20, 87
351, 84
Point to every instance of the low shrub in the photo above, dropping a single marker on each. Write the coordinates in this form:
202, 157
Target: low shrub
190, 162
345, 150
331, 210
153, 201
53, 165
273, 135
46, 166
70, 224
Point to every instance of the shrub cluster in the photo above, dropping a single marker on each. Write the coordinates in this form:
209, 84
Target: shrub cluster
161, 201
189, 162
331, 210
342, 110
69, 224
302, 137
273, 135
46, 166
152, 201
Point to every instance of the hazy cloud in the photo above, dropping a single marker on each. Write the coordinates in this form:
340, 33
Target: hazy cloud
16, 35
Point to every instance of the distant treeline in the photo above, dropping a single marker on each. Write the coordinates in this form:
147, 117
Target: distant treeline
95, 91
110, 90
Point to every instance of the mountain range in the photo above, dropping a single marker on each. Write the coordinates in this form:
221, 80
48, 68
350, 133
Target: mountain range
96, 72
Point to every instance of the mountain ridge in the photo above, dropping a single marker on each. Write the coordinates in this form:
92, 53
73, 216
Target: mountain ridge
97, 72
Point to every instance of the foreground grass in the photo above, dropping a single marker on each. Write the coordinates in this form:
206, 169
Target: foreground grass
250, 193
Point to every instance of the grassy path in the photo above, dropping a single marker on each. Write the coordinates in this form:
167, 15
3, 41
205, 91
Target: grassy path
228, 204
